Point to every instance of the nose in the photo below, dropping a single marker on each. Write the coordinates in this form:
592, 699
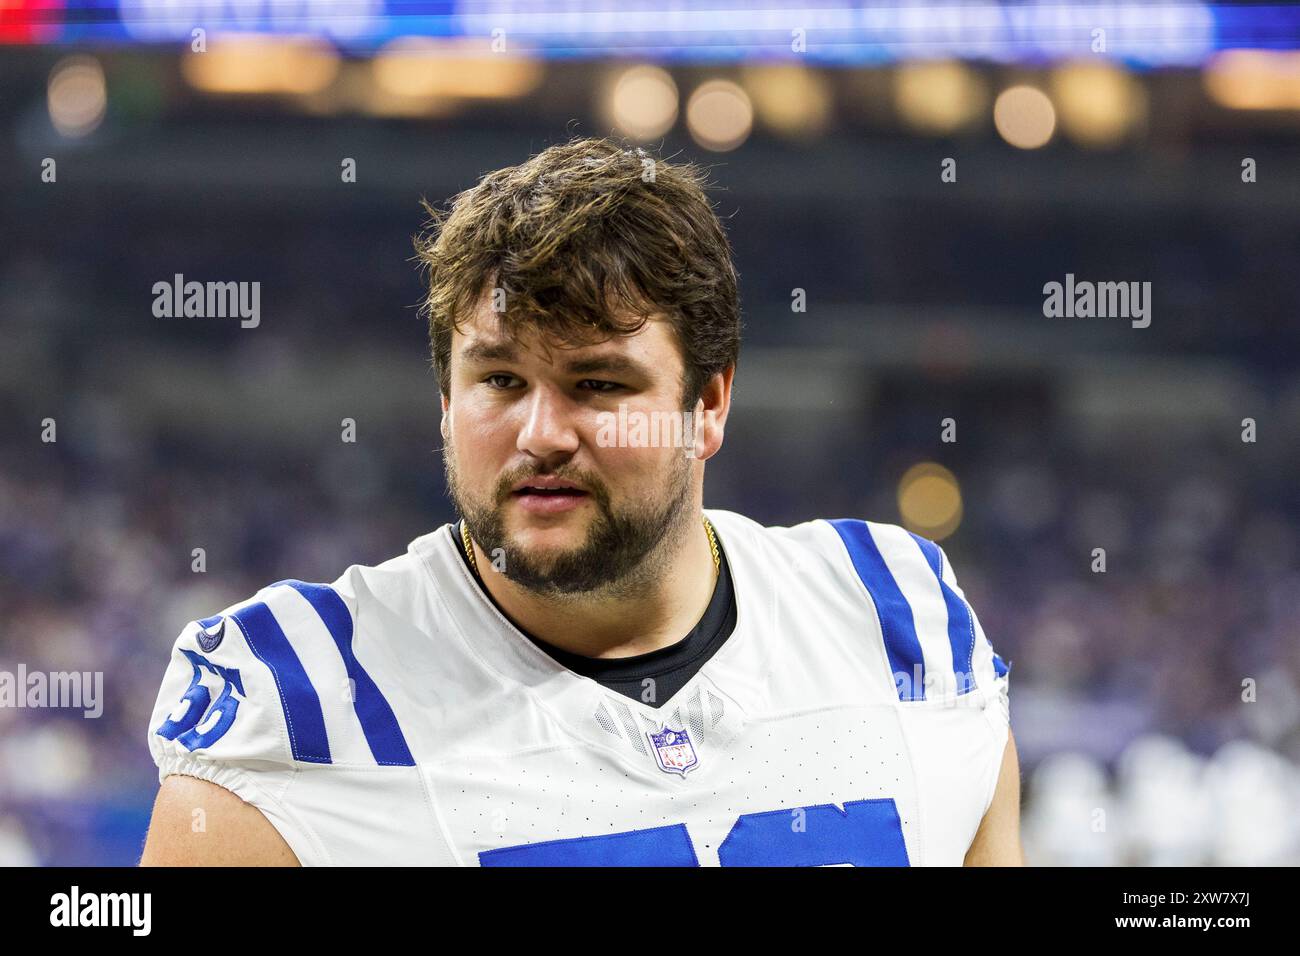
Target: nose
548, 432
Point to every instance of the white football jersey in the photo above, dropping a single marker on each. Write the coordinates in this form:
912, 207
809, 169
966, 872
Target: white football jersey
856, 715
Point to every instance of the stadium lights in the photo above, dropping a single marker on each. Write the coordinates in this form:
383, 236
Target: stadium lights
789, 98
939, 96
250, 63
424, 68
1024, 117
77, 95
642, 102
720, 115
929, 500
1098, 103
1254, 79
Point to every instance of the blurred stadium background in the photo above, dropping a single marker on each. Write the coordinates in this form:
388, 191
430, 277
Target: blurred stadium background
825, 125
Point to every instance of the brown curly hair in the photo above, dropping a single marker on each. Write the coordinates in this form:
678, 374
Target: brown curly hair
580, 231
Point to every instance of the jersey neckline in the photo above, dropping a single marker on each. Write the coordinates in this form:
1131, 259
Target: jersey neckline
688, 654
574, 698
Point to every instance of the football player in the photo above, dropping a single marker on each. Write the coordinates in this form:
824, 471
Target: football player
588, 667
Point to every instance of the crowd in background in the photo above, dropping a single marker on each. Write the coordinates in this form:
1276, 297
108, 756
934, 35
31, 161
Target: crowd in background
1156, 705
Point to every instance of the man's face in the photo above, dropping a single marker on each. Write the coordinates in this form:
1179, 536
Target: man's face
531, 467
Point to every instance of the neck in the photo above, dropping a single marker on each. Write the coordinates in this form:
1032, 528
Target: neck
673, 589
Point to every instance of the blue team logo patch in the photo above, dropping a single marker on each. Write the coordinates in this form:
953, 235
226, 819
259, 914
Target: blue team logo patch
673, 750
210, 634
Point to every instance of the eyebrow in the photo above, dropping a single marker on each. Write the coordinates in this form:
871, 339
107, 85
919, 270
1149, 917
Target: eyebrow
487, 352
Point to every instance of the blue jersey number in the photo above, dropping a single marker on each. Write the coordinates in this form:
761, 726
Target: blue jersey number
184, 728
864, 833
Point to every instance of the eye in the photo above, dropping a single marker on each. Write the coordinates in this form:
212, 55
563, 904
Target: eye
499, 380
597, 385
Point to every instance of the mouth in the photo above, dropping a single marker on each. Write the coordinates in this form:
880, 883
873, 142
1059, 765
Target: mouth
546, 485
548, 495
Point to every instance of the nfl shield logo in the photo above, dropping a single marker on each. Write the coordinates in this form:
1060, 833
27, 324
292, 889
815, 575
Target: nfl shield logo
674, 750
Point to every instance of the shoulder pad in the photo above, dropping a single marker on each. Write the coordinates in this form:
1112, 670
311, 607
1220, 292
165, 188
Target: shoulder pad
933, 639
274, 681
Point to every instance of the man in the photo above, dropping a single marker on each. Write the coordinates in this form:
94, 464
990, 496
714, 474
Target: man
588, 668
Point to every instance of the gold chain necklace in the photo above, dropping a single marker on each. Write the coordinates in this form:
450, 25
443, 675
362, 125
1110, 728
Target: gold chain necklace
708, 526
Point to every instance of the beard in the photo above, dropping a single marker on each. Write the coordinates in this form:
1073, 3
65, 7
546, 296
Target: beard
624, 547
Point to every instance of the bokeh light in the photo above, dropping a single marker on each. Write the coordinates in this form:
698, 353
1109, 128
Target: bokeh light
1099, 104
1024, 117
720, 115
789, 99
642, 102
1254, 79
939, 96
426, 68
77, 95
250, 63
929, 500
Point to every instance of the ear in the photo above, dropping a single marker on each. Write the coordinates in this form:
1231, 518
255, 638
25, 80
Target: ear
444, 427
711, 413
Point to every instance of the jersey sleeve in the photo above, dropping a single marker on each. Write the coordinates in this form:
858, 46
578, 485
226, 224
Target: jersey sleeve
275, 699
989, 671
238, 708
991, 678
951, 686
936, 649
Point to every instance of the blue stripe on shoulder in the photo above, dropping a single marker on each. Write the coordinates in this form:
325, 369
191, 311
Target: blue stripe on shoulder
1000, 667
896, 620
378, 721
302, 711
961, 626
